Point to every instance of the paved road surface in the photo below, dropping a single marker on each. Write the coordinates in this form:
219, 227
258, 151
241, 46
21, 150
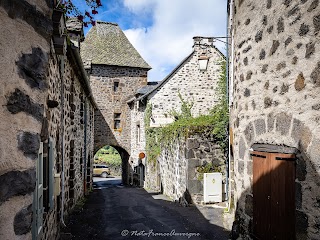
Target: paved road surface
115, 212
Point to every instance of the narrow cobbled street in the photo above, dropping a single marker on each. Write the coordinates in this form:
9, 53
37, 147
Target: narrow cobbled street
113, 211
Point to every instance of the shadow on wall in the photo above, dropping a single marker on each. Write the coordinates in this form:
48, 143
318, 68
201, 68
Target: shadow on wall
126, 170
103, 136
283, 201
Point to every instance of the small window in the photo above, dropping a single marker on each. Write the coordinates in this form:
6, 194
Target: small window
117, 118
115, 86
138, 133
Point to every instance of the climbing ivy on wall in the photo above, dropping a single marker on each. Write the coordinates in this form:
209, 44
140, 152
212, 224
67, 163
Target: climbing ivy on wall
153, 147
215, 122
220, 113
147, 115
185, 111
152, 136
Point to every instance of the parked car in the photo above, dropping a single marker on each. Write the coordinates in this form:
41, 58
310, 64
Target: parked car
101, 170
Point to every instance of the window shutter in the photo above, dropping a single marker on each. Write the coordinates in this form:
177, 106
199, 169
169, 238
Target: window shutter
38, 196
51, 172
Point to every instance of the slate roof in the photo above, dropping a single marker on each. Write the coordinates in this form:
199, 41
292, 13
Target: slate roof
143, 90
146, 89
105, 43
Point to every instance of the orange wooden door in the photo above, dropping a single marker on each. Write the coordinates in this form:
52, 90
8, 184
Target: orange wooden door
273, 196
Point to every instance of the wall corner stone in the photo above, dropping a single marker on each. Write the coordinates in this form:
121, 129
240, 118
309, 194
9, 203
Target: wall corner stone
260, 126
283, 123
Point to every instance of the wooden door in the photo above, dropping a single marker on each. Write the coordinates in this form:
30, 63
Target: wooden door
273, 196
261, 195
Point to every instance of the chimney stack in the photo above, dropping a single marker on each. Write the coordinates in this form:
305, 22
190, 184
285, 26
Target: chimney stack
202, 43
75, 31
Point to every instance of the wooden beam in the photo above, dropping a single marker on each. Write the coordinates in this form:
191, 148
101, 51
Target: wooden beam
264, 147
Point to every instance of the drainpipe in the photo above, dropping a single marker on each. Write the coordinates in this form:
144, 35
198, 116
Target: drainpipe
228, 184
85, 146
62, 138
227, 93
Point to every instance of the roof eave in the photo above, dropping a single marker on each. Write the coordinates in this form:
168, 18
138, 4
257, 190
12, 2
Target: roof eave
115, 65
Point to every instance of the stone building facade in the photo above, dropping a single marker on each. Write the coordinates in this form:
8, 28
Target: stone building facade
138, 138
195, 86
116, 71
274, 93
138, 125
47, 118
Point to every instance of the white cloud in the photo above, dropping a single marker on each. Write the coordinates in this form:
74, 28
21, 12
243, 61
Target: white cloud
139, 6
168, 40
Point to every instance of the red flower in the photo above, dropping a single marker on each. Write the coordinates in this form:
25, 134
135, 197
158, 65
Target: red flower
80, 18
87, 14
94, 11
93, 23
98, 3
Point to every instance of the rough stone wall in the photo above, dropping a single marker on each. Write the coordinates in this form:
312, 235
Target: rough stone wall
21, 111
173, 168
44, 6
102, 80
194, 85
75, 152
200, 150
138, 138
51, 219
152, 177
31, 111
90, 146
275, 64
177, 164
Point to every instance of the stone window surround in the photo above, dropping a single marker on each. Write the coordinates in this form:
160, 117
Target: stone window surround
116, 86
138, 132
116, 120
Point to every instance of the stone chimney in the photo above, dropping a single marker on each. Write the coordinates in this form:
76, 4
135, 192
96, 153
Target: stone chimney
202, 44
75, 31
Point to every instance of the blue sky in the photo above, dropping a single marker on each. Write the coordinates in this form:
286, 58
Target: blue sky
162, 30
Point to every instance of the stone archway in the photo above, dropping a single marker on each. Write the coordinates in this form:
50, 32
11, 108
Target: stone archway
104, 135
125, 166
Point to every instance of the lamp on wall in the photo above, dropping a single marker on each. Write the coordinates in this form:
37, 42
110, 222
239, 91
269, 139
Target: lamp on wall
203, 62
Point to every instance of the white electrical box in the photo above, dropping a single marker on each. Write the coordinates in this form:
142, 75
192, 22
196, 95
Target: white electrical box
57, 184
212, 191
